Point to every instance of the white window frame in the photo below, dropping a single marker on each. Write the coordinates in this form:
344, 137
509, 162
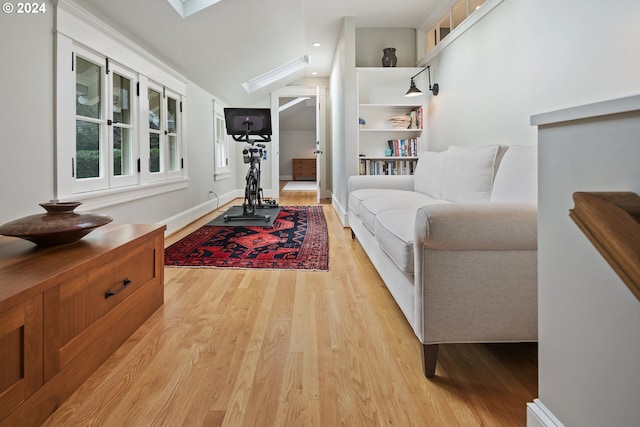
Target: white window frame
101, 182
133, 178
145, 149
173, 173
164, 174
77, 29
221, 153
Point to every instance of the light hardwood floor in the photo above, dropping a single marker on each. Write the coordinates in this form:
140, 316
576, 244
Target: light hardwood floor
293, 348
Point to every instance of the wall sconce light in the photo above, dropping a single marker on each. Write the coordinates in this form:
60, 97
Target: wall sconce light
414, 91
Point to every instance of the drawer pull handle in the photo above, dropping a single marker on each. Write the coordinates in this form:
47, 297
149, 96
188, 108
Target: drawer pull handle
126, 282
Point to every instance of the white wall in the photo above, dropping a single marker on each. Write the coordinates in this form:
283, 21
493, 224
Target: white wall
370, 43
27, 147
589, 321
526, 57
26, 113
529, 57
343, 107
295, 144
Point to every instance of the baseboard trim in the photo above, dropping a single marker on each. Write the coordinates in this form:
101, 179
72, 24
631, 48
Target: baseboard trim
340, 210
539, 415
185, 218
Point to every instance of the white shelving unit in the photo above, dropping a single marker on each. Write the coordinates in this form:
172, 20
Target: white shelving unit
380, 97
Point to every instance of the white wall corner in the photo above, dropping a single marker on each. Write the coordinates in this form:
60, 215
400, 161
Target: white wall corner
539, 416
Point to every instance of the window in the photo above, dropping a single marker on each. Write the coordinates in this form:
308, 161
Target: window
155, 122
455, 15
107, 150
221, 148
444, 26
106, 112
164, 160
120, 135
124, 153
90, 119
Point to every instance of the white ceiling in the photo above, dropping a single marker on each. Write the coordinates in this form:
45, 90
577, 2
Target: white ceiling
232, 41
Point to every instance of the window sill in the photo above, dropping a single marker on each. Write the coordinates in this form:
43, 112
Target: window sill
115, 196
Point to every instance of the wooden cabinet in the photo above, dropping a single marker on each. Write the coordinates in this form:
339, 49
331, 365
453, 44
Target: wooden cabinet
304, 169
20, 353
64, 310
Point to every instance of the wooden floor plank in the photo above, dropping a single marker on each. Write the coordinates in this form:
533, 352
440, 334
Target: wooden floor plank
296, 348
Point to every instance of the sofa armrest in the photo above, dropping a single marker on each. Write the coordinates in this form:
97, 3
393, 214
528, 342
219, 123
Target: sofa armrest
393, 182
490, 226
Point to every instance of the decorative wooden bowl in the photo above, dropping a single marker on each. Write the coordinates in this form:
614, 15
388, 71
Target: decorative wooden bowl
58, 226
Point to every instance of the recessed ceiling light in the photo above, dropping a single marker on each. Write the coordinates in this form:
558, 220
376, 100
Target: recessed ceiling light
314, 73
316, 44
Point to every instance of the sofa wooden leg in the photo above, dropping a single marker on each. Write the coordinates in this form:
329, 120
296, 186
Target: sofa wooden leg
429, 359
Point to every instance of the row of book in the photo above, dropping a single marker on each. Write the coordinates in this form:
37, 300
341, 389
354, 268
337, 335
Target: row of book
417, 118
404, 147
387, 167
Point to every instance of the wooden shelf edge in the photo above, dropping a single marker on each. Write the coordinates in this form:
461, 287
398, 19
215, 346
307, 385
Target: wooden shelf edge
611, 222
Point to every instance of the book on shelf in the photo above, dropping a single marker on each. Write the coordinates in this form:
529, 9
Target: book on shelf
387, 167
417, 118
404, 147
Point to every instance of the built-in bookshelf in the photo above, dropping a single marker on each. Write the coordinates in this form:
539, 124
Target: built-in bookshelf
390, 125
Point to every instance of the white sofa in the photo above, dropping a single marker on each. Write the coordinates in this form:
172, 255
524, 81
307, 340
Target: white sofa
456, 243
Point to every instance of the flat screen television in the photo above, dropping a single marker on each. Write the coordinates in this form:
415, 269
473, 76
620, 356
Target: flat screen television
243, 123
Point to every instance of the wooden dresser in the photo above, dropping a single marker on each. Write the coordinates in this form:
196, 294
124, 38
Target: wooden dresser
304, 169
65, 309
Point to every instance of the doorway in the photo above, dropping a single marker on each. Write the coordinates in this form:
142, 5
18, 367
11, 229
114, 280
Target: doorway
299, 121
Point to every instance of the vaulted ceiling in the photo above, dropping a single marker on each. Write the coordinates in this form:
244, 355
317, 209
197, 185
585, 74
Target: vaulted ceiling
232, 41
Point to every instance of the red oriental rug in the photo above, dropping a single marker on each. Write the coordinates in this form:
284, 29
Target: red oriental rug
298, 240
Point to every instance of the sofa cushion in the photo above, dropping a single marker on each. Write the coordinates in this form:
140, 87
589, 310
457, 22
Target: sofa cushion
468, 173
356, 197
394, 231
372, 206
427, 178
517, 176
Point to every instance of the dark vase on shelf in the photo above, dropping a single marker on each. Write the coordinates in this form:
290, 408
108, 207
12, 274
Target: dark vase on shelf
389, 58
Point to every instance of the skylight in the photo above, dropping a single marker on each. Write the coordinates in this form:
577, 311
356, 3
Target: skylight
276, 74
189, 7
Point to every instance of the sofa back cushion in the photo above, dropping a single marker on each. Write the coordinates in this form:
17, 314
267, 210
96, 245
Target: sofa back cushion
517, 176
468, 172
427, 178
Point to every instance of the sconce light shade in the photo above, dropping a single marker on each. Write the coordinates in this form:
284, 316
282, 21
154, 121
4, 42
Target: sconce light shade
414, 91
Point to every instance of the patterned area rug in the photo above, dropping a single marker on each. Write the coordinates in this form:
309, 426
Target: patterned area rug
298, 240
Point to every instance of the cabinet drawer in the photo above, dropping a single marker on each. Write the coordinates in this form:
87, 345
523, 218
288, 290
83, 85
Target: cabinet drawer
304, 168
83, 302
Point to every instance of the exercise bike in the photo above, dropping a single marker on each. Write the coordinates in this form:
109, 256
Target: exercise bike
252, 121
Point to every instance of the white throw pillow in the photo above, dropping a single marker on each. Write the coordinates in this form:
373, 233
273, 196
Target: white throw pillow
427, 178
468, 173
517, 176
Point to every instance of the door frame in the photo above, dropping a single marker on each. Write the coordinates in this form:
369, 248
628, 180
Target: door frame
321, 131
